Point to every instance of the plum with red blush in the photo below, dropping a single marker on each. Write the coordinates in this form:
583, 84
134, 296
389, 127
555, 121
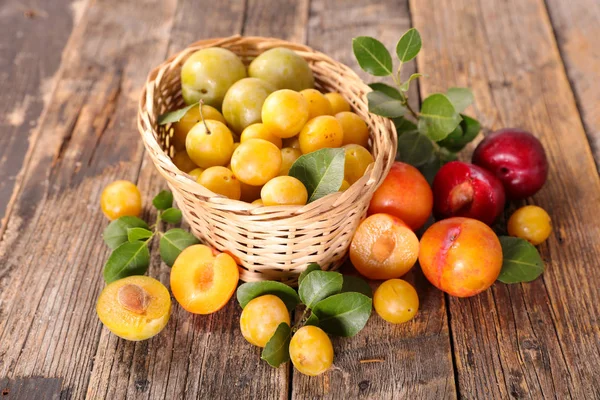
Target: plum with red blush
465, 190
517, 158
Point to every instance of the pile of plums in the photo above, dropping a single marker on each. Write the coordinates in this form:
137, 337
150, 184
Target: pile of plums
509, 164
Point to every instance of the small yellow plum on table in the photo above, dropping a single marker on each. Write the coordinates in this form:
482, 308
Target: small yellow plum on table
311, 351
121, 198
261, 317
396, 301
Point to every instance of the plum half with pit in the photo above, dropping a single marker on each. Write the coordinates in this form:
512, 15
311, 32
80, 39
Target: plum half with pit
517, 158
466, 190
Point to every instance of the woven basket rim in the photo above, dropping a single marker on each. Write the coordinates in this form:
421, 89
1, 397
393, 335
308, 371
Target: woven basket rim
174, 174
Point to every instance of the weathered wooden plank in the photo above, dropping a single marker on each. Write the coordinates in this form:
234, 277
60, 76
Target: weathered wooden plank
204, 19
577, 31
539, 339
51, 253
416, 356
286, 19
34, 35
32, 388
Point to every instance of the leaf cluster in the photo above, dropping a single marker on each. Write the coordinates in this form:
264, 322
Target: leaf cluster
340, 305
130, 238
427, 138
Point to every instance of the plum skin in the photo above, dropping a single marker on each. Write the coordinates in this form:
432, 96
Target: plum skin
517, 158
466, 190
460, 256
208, 74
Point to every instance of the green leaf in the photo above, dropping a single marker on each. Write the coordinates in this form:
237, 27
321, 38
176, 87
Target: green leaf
343, 314
372, 56
171, 215
471, 127
384, 105
310, 268
403, 125
387, 89
462, 135
406, 85
356, 284
409, 45
438, 117
126, 260
277, 349
318, 286
451, 142
175, 116
115, 233
414, 148
251, 290
460, 97
163, 200
135, 234
173, 242
321, 172
521, 261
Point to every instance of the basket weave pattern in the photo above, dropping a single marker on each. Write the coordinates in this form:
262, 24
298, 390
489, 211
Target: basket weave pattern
274, 243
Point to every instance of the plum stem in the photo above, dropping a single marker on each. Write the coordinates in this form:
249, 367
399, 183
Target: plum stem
303, 318
201, 103
409, 108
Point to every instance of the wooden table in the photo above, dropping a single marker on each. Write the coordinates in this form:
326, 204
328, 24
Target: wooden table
70, 74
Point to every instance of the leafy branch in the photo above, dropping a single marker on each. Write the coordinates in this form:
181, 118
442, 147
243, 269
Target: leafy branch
130, 239
339, 304
427, 138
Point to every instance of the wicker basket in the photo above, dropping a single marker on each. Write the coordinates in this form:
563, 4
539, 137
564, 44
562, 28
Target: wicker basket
277, 242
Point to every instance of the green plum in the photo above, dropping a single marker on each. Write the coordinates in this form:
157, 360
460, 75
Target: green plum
243, 103
208, 74
283, 68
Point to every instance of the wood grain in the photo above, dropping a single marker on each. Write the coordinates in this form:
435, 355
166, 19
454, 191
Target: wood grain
51, 254
34, 35
539, 339
284, 19
416, 356
577, 30
32, 388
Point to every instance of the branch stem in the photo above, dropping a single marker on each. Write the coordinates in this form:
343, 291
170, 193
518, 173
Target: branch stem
403, 96
303, 319
410, 109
